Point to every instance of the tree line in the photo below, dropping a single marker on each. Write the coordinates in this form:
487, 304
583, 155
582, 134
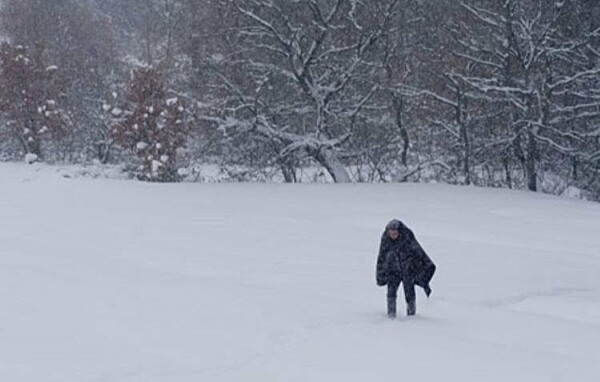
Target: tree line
484, 92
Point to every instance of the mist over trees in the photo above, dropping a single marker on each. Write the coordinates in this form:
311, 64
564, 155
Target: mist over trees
484, 92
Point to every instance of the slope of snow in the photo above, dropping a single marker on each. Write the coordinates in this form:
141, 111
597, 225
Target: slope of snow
110, 281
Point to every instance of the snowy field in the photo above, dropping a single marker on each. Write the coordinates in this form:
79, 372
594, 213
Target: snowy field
120, 281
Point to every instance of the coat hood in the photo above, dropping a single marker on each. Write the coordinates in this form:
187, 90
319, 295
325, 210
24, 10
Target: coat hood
396, 224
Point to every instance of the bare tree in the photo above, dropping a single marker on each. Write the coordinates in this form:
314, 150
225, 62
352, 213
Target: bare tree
80, 41
31, 97
303, 75
526, 65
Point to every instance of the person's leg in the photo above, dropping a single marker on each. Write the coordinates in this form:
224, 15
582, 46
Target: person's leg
392, 293
410, 296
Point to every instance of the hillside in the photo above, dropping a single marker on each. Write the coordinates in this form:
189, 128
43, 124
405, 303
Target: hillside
105, 280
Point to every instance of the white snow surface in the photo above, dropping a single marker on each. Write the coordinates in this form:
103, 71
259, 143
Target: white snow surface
31, 158
107, 280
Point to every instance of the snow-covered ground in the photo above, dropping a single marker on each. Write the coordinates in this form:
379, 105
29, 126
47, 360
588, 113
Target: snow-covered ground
106, 280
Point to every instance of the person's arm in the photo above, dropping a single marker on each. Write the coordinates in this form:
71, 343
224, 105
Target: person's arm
381, 274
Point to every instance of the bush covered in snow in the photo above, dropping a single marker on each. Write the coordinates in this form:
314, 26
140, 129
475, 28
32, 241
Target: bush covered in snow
151, 124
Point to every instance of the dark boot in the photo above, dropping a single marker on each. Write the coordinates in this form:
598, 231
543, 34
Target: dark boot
391, 307
411, 308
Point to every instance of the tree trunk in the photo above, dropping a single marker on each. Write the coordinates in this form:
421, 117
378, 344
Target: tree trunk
33, 146
289, 173
333, 165
530, 163
467, 153
464, 135
399, 109
196, 41
508, 176
23, 143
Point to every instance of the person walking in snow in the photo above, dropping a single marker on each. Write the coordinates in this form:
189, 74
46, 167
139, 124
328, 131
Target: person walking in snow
402, 260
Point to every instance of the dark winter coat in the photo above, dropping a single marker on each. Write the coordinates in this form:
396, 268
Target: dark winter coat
403, 259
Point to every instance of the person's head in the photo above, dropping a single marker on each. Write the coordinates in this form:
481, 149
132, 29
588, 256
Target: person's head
393, 229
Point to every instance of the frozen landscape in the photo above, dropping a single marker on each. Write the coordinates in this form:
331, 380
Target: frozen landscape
122, 281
